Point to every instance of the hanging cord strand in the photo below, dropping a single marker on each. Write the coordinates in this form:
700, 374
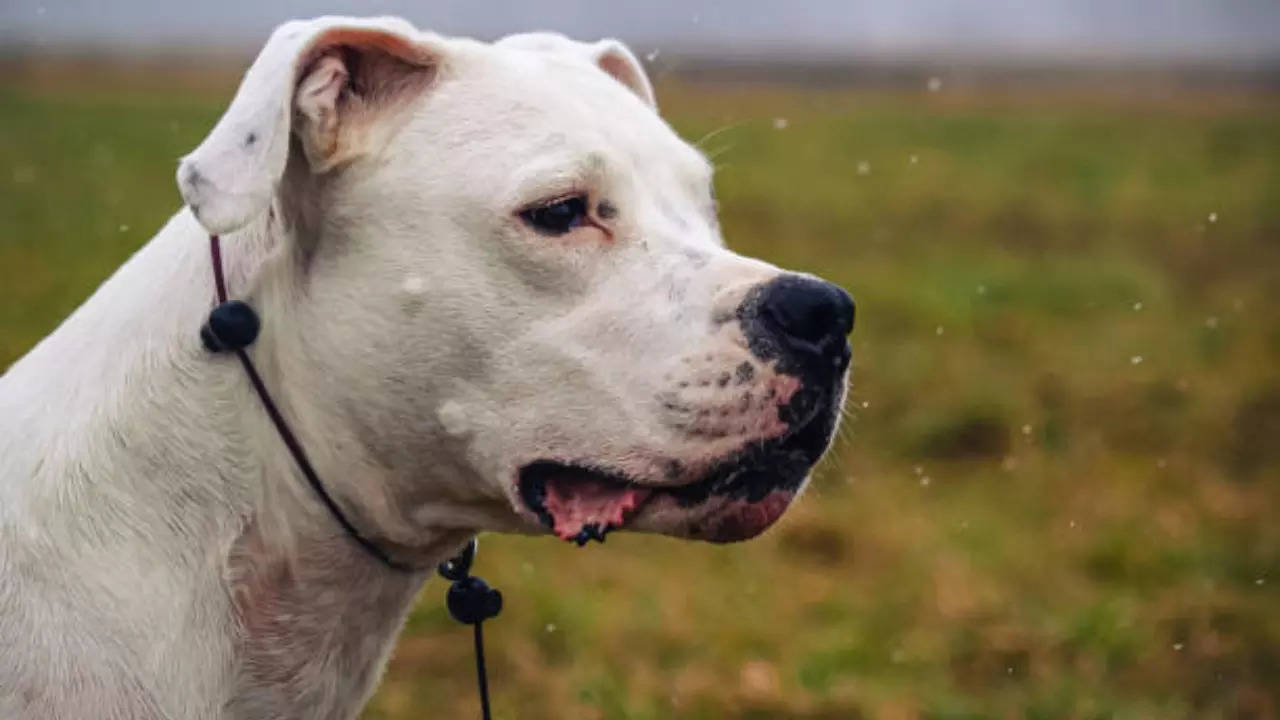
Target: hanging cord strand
482, 679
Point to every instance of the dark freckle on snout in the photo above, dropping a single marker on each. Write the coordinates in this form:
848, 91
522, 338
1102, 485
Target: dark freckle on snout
723, 379
250, 139
744, 372
194, 178
674, 469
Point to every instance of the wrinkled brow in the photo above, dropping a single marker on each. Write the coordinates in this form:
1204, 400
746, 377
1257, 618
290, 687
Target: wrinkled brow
556, 173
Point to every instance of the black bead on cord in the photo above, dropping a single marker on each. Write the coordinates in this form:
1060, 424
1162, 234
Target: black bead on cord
232, 325
471, 601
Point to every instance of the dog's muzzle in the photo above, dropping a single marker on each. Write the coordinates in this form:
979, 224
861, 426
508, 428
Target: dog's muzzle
796, 324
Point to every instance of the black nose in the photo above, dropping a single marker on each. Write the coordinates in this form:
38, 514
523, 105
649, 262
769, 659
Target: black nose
809, 312
802, 320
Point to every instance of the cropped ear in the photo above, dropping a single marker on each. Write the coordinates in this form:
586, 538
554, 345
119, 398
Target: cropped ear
609, 55
324, 80
616, 59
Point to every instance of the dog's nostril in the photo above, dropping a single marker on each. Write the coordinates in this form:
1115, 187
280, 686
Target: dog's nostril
812, 311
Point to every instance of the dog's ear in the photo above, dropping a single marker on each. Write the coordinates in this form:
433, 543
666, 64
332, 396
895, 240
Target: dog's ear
324, 81
616, 59
609, 55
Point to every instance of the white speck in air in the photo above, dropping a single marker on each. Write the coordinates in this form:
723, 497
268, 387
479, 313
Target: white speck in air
414, 285
653, 55
780, 123
1135, 360
864, 167
1211, 322
915, 159
935, 84
982, 289
1026, 429
1213, 217
551, 627
124, 228
1178, 646
1137, 306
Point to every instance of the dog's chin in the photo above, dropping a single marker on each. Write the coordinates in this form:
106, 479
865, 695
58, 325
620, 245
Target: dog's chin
737, 499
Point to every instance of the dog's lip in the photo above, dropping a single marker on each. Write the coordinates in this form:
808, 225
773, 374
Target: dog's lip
760, 472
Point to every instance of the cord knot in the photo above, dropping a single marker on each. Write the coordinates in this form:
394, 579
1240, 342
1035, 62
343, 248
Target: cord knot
471, 601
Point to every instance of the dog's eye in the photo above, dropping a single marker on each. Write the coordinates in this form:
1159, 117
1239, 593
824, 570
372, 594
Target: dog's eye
558, 216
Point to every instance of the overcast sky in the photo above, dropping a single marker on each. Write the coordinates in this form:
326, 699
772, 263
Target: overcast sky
1178, 28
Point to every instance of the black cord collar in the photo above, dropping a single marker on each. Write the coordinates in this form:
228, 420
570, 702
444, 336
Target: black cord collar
232, 327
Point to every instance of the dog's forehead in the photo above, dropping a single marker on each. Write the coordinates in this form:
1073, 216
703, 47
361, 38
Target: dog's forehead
540, 106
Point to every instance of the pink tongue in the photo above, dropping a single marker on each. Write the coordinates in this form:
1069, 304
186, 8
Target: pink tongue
576, 503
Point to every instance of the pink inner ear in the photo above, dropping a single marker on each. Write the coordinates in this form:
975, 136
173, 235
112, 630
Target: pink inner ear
318, 92
317, 101
351, 89
625, 69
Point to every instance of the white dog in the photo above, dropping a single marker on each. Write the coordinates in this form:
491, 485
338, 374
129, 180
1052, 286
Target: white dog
494, 297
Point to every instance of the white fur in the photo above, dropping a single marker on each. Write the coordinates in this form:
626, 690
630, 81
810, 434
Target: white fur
161, 557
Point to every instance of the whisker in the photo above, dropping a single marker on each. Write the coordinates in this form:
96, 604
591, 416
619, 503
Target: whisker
713, 155
717, 131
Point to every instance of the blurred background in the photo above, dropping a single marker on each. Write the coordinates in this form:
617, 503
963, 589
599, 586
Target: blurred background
1056, 491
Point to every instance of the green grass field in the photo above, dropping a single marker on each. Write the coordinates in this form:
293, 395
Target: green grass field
1057, 491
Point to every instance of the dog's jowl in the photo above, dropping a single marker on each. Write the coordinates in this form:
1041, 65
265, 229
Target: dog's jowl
493, 297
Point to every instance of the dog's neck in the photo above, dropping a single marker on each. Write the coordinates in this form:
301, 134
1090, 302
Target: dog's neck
317, 612
199, 524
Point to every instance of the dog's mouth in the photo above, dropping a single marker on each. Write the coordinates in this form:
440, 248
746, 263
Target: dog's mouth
580, 503
738, 498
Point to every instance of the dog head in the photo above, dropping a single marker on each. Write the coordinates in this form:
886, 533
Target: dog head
509, 273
